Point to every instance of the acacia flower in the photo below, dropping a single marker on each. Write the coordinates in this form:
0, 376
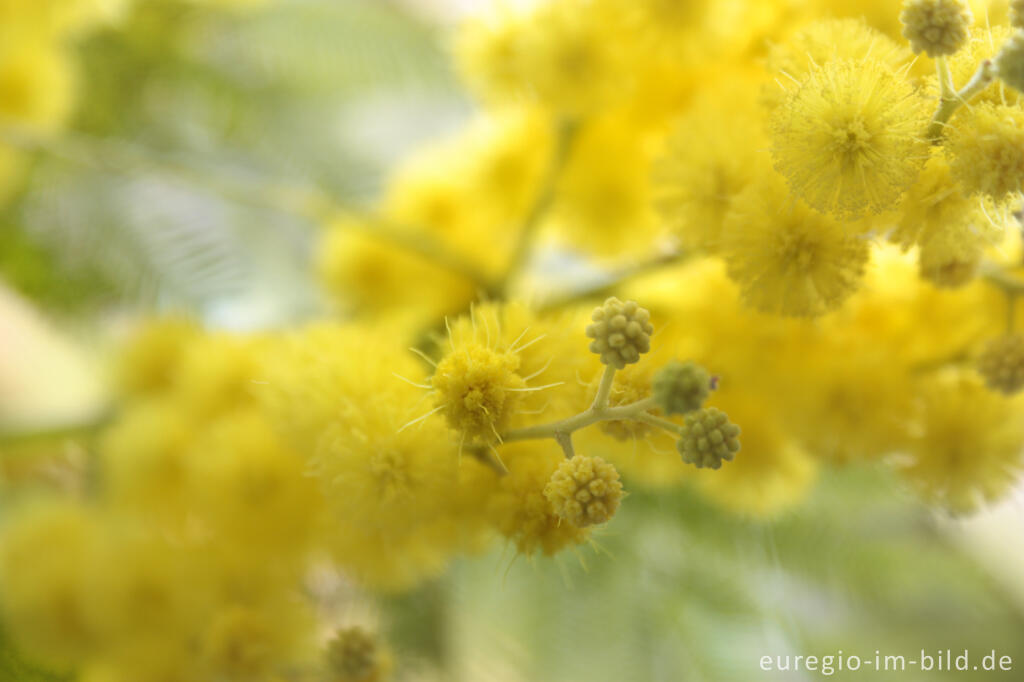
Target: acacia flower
986, 149
786, 258
848, 137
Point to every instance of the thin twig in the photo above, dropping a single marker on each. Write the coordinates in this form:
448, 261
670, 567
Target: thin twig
950, 101
616, 280
567, 131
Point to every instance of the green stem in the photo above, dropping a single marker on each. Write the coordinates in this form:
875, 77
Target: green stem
604, 389
950, 100
591, 415
542, 203
617, 279
565, 440
947, 90
660, 423
485, 457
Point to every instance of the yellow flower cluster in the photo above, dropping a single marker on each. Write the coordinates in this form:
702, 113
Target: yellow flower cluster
238, 461
774, 191
185, 561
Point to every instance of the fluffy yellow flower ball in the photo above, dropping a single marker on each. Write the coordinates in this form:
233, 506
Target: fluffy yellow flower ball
849, 139
519, 507
786, 258
824, 41
574, 59
985, 144
43, 551
705, 165
968, 446
477, 389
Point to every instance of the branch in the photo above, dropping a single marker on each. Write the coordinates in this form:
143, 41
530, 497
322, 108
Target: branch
950, 101
566, 135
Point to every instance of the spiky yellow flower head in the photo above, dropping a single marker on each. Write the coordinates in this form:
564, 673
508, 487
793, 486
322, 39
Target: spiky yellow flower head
369, 276
1001, 363
668, 29
585, 491
827, 40
935, 27
250, 487
621, 332
385, 465
786, 258
476, 387
141, 586
43, 550
574, 57
489, 54
1010, 62
216, 373
520, 510
950, 228
356, 655
681, 387
603, 203
145, 462
1017, 13
706, 165
949, 258
848, 138
150, 360
986, 149
968, 445
708, 438
935, 203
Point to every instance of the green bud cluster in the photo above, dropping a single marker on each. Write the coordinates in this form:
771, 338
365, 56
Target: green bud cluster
621, 332
352, 655
935, 27
1010, 62
1001, 363
681, 387
708, 438
584, 491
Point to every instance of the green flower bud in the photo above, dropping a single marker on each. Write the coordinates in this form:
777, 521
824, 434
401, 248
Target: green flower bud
708, 438
621, 332
585, 491
936, 27
1001, 363
681, 387
354, 655
1010, 62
